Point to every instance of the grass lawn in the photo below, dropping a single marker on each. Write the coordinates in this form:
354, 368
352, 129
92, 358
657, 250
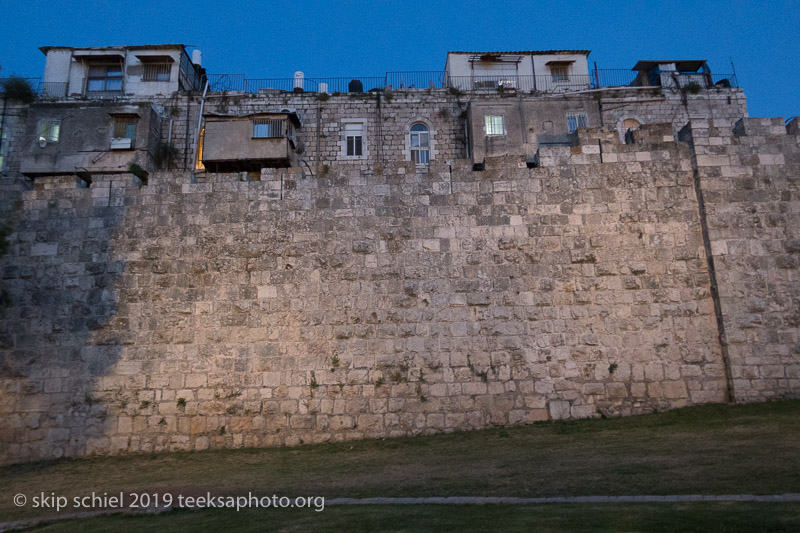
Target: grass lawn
712, 449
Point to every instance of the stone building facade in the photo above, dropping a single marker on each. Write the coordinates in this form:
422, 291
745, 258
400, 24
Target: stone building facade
358, 296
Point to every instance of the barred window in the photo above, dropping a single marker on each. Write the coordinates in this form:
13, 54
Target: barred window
156, 71
494, 125
48, 130
576, 120
125, 127
268, 128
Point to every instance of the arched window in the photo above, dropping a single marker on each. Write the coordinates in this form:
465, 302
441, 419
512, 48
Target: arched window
420, 144
629, 125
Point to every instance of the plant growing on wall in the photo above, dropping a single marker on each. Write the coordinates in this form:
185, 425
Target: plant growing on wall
693, 88
16, 88
137, 171
165, 153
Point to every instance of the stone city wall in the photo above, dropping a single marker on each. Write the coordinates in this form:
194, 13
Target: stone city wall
191, 314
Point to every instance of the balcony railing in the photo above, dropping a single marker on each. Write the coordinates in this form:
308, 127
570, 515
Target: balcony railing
424, 80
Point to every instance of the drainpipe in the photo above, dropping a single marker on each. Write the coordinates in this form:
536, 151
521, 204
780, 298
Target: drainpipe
199, 119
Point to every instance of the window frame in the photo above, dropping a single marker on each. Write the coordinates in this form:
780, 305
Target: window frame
104, 79
123, 124
421, 153
153, 71
577, 116
490, 125
3, 148
354, 145
269, 128
559, 73
47, 134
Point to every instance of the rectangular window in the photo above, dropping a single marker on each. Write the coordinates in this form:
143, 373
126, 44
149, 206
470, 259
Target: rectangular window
48, 130
354, 135
125, 127
156, 71
104, 78
559, 72
576, 120
3, 149
494, 125
198, 163
268, 128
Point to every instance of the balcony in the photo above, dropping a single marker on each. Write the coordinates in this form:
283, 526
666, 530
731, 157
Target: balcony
236, 144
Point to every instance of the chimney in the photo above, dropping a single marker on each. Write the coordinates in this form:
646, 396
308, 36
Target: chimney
197, 57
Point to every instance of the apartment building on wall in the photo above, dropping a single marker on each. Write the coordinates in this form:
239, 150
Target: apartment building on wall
102, 109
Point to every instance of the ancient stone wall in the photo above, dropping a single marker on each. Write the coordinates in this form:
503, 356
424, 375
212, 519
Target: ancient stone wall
671, 106
748, 172
12, 117
192, 314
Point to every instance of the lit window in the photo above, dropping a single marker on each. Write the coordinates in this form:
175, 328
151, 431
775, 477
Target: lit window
198, 163
48, 130
559, 72
156, 71
576, 120
420, 144
125, 128
354, 137
494, 125
104, 78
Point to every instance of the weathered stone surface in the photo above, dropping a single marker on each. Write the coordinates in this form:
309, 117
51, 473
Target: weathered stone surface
376, 302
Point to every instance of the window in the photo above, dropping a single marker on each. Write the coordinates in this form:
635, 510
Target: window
156, 71
354, 137
125, 128
420, 144
267, 128
576, 120
48, 130
104, 78
628, 126
3, 149
559, 72
494, 125
198, 163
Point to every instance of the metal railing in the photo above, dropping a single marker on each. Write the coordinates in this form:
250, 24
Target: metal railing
427, 79
53, 89
424, 80
614, 78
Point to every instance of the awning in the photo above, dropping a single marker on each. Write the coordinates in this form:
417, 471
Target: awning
98, 56
155, 58
561, 62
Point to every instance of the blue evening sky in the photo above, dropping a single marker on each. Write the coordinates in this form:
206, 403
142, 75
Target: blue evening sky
266, 39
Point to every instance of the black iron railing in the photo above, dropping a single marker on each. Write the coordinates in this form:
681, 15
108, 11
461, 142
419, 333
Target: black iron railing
433, 79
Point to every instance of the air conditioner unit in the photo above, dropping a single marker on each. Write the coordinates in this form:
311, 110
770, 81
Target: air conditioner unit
120, 143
